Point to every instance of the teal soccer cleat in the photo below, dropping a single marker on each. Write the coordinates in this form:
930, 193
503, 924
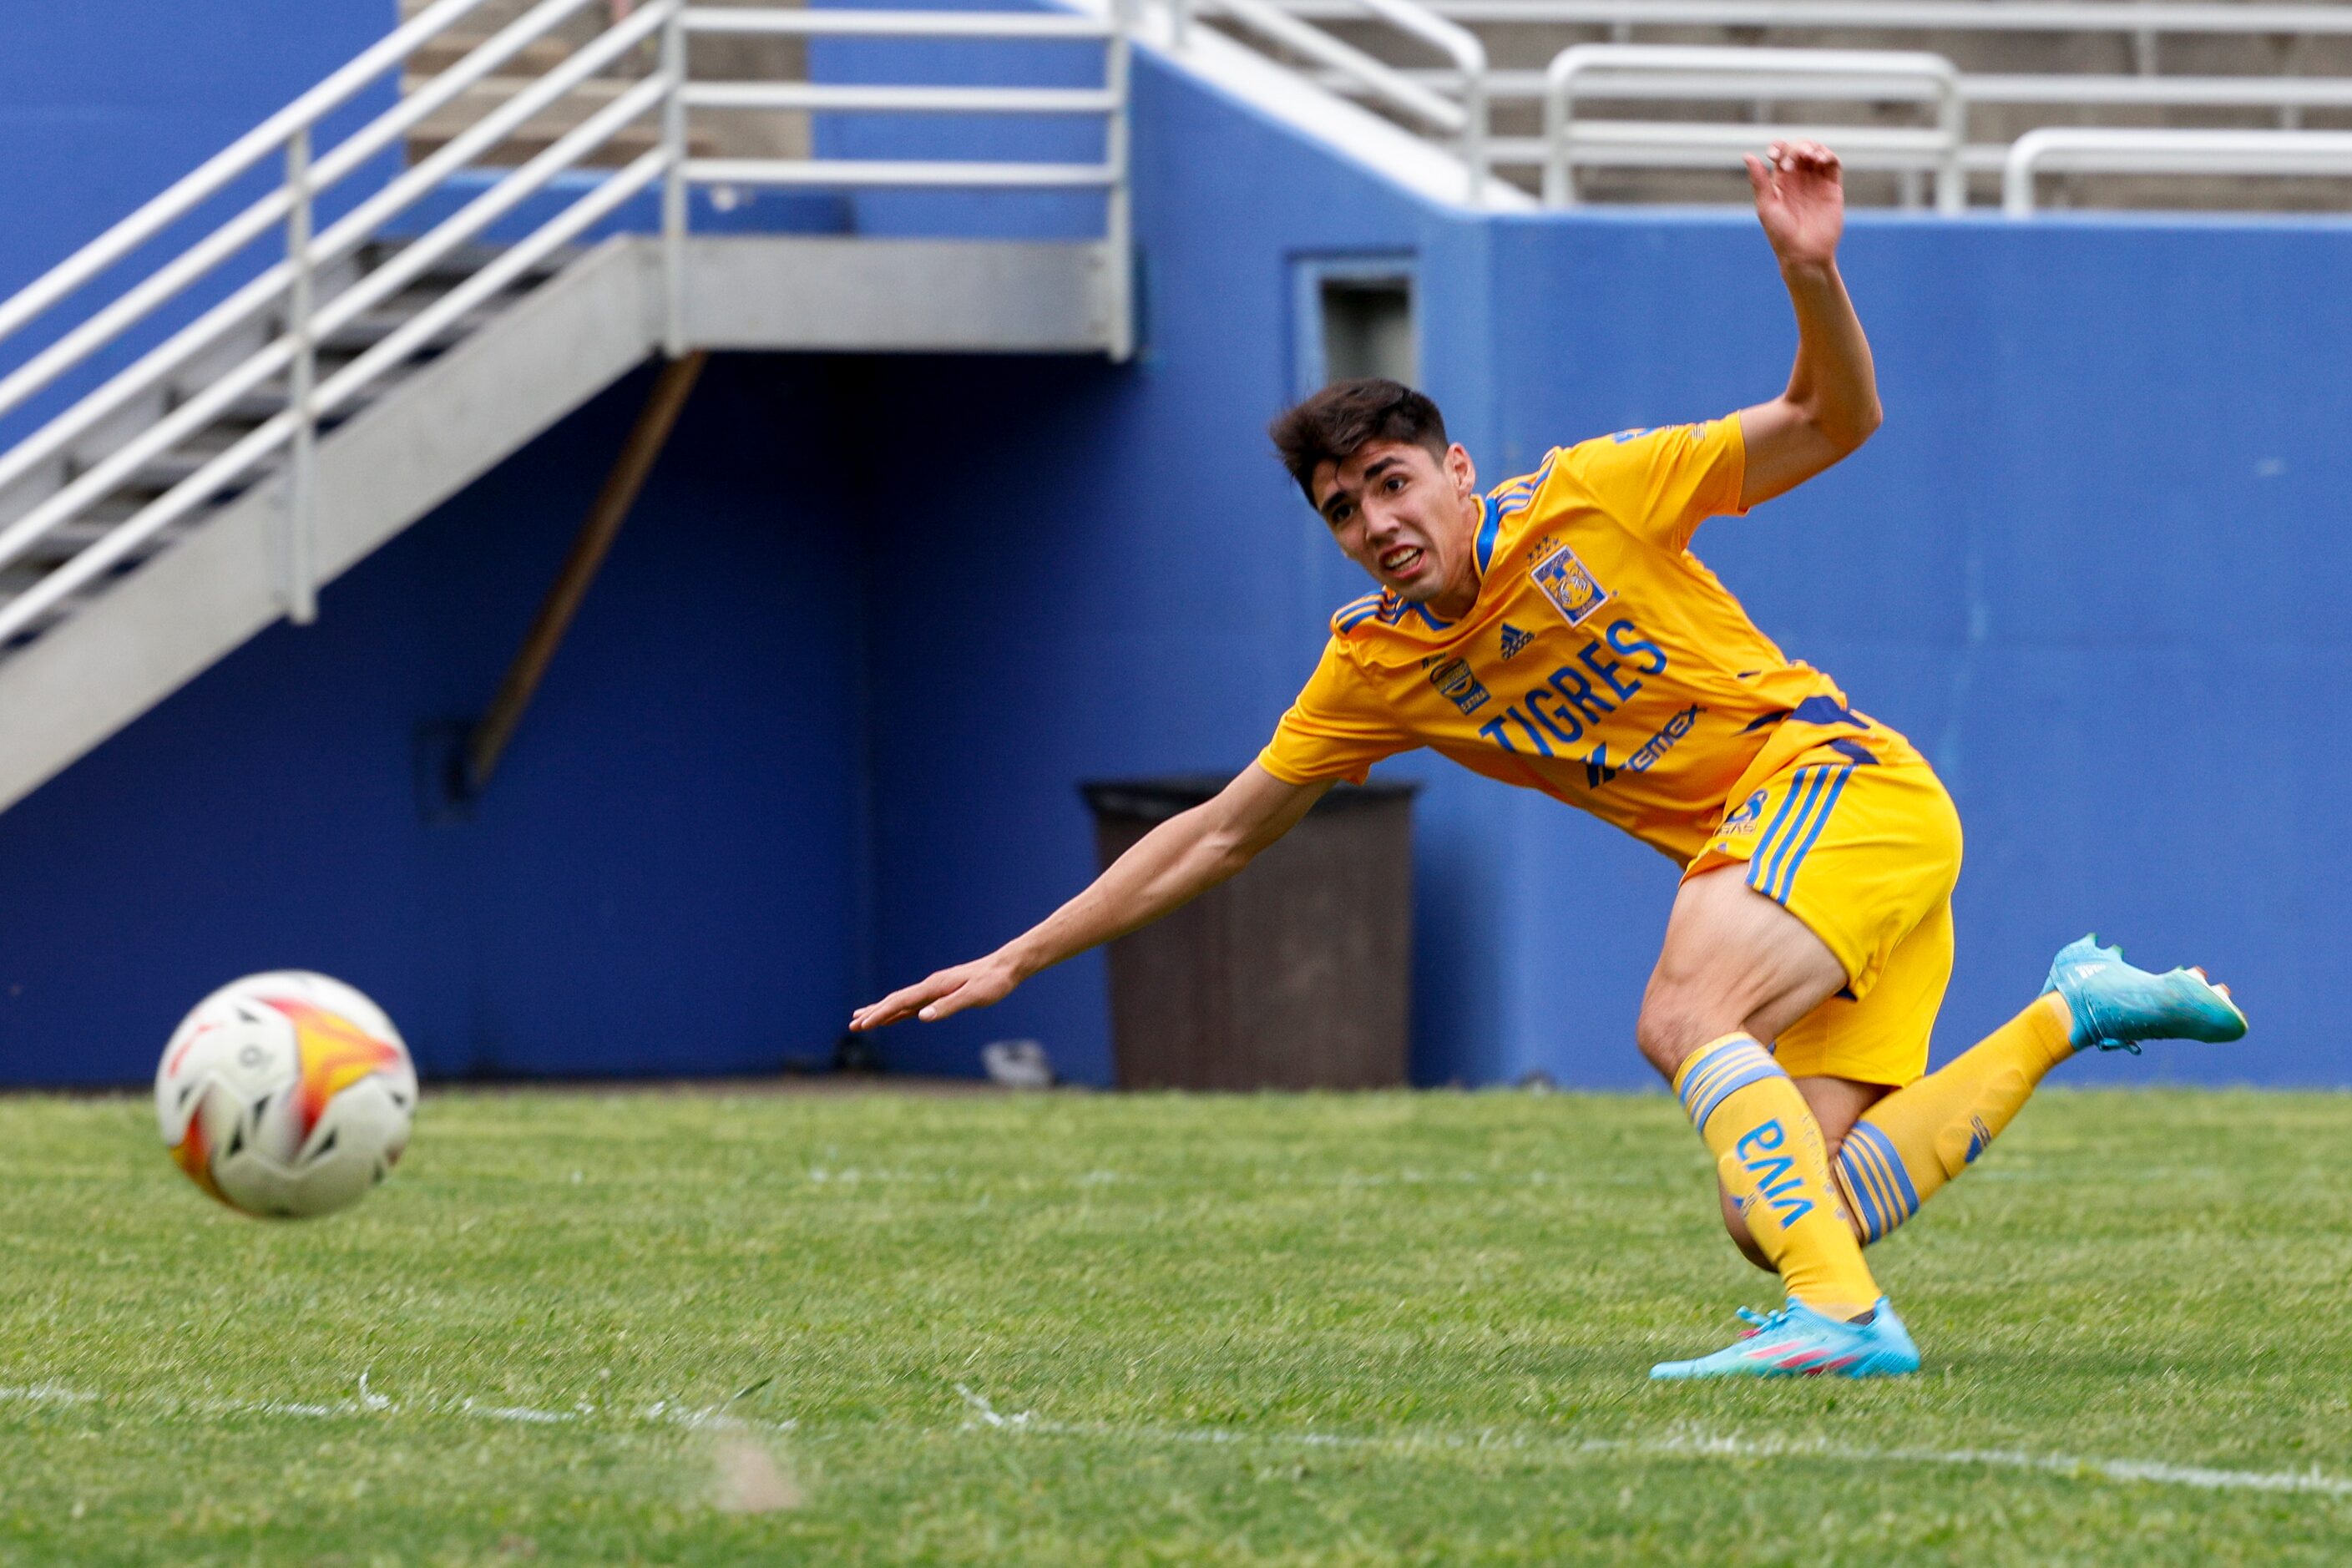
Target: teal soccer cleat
2116, 1007
1797, 1342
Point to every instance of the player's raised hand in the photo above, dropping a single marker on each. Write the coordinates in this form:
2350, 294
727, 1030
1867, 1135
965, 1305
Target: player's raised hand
979, 983
1800, 198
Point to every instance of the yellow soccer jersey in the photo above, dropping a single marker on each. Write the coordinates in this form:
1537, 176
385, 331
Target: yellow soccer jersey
1600, 662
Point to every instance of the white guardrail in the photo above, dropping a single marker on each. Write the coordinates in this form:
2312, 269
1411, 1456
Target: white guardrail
2141, 23
1749, 75
2093, 150
1454, 101
1417, 96
284, 301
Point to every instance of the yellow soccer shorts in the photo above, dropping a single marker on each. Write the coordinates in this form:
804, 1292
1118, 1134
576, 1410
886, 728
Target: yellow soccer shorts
1859, 841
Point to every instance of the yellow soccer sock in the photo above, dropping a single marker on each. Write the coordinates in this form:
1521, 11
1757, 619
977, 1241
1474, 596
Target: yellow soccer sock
1923, 1135
1770, 1155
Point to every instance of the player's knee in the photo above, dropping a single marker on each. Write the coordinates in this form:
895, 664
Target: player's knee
1670, 1028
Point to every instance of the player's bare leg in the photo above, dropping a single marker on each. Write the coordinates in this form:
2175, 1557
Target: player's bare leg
1735, 965
1732, 960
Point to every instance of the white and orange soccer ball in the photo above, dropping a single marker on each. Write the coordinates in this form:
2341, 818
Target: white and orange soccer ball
286, 1095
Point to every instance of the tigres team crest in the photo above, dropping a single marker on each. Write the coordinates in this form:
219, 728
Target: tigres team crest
1572, 589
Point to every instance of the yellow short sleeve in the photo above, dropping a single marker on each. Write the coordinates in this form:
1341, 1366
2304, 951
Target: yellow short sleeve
1663, 483
1337, 730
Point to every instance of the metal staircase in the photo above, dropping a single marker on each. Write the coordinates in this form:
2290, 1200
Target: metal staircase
195, 450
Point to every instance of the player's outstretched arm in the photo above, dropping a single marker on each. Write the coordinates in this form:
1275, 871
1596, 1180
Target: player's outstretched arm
1173, 864
1831, 404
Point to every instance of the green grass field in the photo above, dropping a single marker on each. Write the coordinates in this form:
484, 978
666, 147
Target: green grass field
1081, 1328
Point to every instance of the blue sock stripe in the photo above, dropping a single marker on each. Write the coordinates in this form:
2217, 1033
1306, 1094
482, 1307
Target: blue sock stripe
1874, 1180
1874, 1222
1751, 1070
1899, 1179
1713, 1071
1696, 1086
1764, 845
1716, 1067
1875, 1157
1821, 818
1872, 1172
1757, 1074
1796, 828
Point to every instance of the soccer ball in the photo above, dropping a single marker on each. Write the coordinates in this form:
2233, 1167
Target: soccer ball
286, 1095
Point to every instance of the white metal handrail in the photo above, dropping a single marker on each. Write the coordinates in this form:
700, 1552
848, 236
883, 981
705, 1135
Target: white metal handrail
1379, 80
265, 139
2142, 24
895, 24
323, 250
1464, 118
290, 299
1862, 75
2125, 17
1469, 57
304, 259
247, 226
1112, 31
1519, 86
2160, 151
284, 352
1104, 101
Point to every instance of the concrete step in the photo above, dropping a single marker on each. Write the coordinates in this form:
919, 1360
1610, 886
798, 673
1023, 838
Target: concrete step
437, 55
68, 539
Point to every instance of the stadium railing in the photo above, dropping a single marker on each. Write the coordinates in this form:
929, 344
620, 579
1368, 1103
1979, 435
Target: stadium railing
2143, 23
1416, 97
1658, 70
2092, 148
1113, 30
263, 341
1686, 143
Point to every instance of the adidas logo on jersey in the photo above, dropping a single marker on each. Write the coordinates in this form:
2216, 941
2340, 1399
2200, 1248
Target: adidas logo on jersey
1514, 641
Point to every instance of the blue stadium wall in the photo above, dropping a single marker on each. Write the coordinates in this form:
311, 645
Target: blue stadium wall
819, 727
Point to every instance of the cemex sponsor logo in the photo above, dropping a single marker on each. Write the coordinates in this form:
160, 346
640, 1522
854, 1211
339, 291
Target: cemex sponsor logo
1514, 641
1457, 682
1598, 771
1659, 744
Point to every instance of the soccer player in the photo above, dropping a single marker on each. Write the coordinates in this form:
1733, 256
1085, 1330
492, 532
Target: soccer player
1556, 633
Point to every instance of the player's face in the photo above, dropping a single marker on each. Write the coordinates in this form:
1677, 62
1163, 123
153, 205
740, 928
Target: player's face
1407, 518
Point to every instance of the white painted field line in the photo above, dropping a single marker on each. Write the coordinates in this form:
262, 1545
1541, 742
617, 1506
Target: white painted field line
986, 1417
46, 1393
661, 1412
1693, 1445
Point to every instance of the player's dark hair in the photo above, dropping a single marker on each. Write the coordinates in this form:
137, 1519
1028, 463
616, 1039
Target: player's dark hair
1347, 415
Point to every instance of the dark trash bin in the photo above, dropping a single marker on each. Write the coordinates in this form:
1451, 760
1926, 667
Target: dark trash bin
1294, 975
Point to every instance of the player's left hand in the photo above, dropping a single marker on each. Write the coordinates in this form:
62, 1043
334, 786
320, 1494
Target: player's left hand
1801, 199
983, 982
